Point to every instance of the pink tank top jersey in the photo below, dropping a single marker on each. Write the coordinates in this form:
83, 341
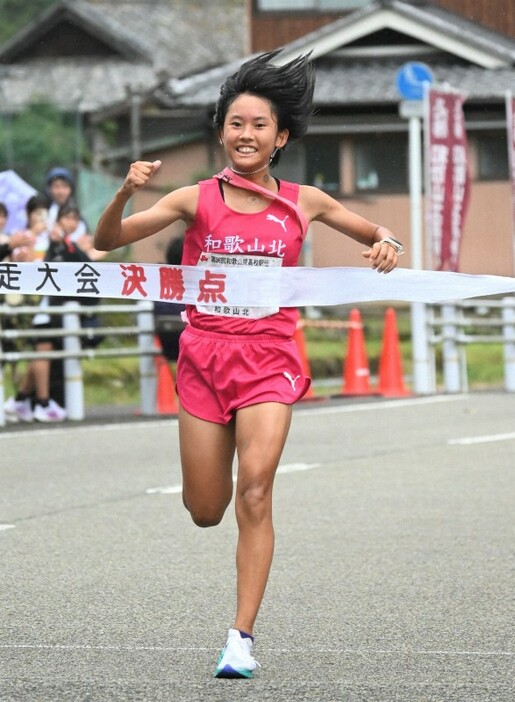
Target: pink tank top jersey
220, 236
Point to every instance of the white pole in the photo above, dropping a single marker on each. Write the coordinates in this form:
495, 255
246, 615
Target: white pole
451, 354
2, 387
73, 383
147, 371
508, 315
415, 181
510, 126
423, 366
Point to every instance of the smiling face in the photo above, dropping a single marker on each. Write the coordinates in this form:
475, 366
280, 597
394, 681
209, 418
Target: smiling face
250, 133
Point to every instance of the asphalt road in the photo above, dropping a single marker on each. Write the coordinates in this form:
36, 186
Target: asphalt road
393, 577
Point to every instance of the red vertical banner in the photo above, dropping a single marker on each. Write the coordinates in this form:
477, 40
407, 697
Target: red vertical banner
447, 175
510, 123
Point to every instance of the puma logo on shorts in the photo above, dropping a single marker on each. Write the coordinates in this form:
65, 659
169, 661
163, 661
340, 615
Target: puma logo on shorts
292, 380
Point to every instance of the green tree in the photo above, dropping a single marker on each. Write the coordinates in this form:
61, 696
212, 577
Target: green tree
36, 139
16, 14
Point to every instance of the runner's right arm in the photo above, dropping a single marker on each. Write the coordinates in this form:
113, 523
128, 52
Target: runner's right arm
112, 231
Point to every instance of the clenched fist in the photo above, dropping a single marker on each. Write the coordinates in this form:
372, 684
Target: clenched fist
139, 174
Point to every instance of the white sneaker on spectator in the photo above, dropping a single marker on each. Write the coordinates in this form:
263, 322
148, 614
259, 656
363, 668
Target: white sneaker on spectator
18, 410
51, 413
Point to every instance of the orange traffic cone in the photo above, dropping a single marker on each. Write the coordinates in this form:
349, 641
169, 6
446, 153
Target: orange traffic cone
166, 399
301, 348
391, 383
356, 373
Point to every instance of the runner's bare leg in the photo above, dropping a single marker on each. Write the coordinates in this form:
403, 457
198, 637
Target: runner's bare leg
207, 453
261, 432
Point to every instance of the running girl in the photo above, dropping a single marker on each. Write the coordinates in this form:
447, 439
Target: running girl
238, 372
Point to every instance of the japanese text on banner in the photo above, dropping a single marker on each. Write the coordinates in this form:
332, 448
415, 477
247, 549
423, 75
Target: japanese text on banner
448, 182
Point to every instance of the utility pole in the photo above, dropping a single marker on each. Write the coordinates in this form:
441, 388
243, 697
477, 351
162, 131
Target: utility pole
411, 80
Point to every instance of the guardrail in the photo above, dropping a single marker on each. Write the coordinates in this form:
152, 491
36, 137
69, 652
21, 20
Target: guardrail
143, 332
480, 321
453, 326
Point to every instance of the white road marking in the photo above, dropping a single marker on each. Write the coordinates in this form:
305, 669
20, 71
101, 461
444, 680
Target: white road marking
88, 428
166, 490
381, 404
314, 649
296, 467
489, 438
4, 527
153, 423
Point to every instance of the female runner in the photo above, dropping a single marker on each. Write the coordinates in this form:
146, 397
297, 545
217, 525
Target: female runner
238, 372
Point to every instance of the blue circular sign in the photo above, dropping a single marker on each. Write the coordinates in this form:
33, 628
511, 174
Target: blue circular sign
411, 78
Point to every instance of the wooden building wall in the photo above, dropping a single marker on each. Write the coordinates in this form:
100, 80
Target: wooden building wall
495, 14
270, 30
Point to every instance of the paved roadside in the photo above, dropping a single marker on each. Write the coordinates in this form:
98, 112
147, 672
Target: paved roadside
392, 580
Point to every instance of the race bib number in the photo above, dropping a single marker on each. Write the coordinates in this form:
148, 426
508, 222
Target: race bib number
213, 260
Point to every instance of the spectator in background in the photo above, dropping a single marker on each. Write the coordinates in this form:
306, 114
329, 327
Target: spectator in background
33, 399
167, 315
37, 226
60, 188
9, 243
18, 247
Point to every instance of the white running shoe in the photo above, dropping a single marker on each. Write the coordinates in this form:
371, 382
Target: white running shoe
18, 410
51, 413
236, 659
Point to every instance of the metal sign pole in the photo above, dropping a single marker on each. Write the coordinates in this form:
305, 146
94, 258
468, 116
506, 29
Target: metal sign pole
423, 366
411, 81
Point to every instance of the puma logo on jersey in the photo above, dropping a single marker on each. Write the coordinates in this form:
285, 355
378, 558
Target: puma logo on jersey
273, 218
292, 380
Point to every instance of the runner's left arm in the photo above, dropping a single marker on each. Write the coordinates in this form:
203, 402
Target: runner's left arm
321, 207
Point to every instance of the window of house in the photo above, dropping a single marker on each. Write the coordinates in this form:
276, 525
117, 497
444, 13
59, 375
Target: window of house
318, 5
492, 155
314, 160
322, 154
381, 163
292, 164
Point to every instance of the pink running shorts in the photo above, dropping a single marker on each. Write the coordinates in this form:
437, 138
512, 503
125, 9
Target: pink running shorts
218, 374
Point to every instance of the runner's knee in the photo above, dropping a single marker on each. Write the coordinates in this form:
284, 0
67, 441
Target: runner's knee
253, 500
206, 515
206, 519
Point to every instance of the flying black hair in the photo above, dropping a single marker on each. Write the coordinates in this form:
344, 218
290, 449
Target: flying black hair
288, 88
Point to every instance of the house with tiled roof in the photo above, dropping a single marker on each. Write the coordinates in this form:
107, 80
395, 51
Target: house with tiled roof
150, 81
84, 55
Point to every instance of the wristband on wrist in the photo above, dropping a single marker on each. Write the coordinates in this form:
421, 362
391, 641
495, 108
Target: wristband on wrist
394, 243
